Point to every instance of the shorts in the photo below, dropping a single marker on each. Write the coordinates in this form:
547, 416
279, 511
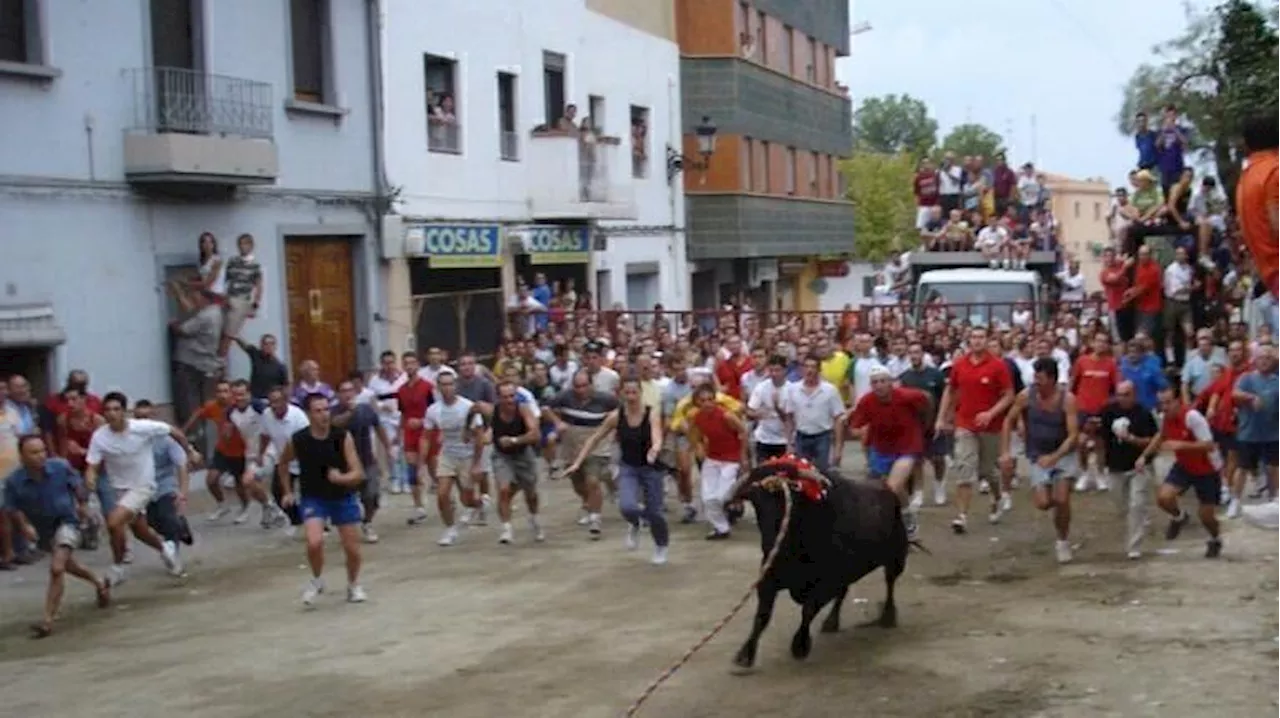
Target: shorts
975, 457
938, 445
163, 516
412, 441
371, 489
547, 431
1226, 441
237, 313
135, 498
1067, 469
1085, 417
1254, 454
594, 469
339, 512
1208, 488
453, 467
880, 464
65, 536
672, 446
233, 465
518, 471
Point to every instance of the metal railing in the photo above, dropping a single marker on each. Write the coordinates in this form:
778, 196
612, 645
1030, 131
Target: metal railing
444, 135
509, 146
593, 171
175, 99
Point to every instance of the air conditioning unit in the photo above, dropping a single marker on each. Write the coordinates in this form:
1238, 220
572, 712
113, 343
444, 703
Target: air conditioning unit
392, 226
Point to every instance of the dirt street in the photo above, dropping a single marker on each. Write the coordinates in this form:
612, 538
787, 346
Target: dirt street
989, 626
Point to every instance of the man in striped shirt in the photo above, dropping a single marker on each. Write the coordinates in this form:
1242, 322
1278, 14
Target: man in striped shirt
578, 412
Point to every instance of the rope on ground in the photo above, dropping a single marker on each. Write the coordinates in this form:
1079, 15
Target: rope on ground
773, 483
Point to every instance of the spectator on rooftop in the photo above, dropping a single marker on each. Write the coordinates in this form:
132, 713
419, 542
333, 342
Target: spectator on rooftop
1171, 144
1144, 139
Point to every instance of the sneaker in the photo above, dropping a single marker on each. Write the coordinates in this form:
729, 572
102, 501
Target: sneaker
367, 532
1006, 503
507, 535
690, 515
1134, 555
996, 513
960, 524
418, 518
1100, 481
538, 534
291, 531
117, 574
128, 555
449, 537
1008, 264
1233, 508
715, 535
356, 594
169, 555
1175, 526
593, 529
1062, 549
1082, 484
242, 516
632, 538
1263, 516
939, 493
994, 264
584, 519
912, 523
479, 516
659, 556
312, 592
984, 487
917, 500
218, 514
1213, 547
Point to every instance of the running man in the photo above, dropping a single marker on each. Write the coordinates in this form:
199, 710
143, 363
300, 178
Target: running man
722, 436
458, 431
937, 446
247, 419
1256, 396
228, 452
979, 391
385, 385
638, 431
122, 449
675, 451
516, 430
1127, 429
1196, 463
413, 398
46, 498
578, 412
166, 512
280, 421
890, 422
362, 422
329, 477
1093, 380
1052, 428
766, 407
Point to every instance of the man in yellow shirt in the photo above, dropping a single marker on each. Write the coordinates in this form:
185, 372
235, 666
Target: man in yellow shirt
834, 366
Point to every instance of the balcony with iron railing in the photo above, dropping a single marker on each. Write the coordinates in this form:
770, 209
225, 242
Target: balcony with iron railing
576, 176
196, 127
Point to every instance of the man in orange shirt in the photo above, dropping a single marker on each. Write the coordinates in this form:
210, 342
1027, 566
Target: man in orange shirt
228, 452
1256, 200
1147, 295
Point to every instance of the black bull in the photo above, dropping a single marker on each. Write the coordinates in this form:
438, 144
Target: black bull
830, 545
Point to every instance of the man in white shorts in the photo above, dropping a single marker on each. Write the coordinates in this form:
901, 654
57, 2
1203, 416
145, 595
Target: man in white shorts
123, 447
460, 432
247, 420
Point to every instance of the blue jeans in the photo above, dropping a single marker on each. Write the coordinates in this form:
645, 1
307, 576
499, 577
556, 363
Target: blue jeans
816, 448
642, 482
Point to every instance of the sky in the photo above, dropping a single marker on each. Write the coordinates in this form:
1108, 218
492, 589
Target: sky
1062, 61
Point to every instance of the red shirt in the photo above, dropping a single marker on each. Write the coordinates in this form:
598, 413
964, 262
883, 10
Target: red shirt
723, 442
1224, 415
893, 425
976, 387
926, 189
58, 405
1114, 283
1094, 379
729, 373
1147, 278
414, 396
1196, 462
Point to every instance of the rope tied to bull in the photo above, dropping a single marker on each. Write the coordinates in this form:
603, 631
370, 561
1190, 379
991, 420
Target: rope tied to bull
776, 483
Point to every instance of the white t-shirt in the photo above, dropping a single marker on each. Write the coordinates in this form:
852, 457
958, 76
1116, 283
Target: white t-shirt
280, 429
431, 373
815, 412
562, 377
1072, 286
769, 429
991, 237
882, 294
606, 380
1028, 190
1177, 281
862, 368
248, 421
451, 420
949, 180
750, 379
127, 456
388, 409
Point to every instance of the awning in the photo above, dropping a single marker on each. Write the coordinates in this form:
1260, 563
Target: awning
30, 325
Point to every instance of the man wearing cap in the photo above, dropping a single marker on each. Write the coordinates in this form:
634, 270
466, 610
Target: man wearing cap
890, 422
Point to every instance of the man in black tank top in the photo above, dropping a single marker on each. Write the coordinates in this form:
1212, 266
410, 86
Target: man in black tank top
515, 433
330, 475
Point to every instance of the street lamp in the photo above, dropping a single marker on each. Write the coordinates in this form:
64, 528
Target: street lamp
678, 162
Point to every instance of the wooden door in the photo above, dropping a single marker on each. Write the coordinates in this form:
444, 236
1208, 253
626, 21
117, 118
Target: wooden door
318, 277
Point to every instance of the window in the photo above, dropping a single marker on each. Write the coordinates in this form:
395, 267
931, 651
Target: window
309, 39
639, 142
762, 46
1076, 209
595, 108
443, 130
553, 86
837, 179
748, 162
21, 40
791, 170
811, 72
1097, 211
788, 51
746, 40
764, 166
508, 136
814, 160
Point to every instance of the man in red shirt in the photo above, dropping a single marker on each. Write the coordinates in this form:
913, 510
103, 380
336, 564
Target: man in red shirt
925, 188
413, 398
1217, 401
1093, 380
1186, 433
1115, 281
1146, 296
889, 421
729, 371
723, 438
978, 393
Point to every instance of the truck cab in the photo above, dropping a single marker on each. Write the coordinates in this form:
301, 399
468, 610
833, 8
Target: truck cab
980, 296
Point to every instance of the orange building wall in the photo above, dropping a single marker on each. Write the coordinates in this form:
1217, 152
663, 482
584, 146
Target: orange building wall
707, 27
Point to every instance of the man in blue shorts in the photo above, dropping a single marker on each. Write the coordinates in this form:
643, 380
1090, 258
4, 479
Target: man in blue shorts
890, 422
330, 475
1196, 466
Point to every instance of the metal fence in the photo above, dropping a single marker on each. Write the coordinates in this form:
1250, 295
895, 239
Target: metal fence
174, 99
593, 171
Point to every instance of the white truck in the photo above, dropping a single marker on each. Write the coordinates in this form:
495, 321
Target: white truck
980, 296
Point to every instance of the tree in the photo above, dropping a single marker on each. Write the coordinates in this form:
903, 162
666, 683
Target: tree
971, 139
883, 203
893, 124
1222, 69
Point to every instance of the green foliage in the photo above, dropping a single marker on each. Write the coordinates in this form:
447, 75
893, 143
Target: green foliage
894, 123
971, 139
1222, 69
880, 187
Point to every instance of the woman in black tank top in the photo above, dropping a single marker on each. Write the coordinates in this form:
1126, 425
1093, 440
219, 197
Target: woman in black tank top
638, 431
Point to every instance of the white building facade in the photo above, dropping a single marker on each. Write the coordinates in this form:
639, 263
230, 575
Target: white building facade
493, 190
